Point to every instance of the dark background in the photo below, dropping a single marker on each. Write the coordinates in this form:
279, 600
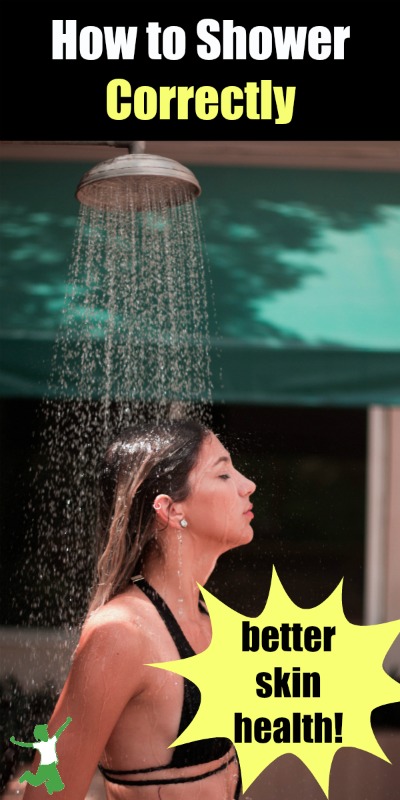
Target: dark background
309, 466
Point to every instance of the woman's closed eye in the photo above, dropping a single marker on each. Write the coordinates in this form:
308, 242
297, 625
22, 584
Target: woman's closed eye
224, 477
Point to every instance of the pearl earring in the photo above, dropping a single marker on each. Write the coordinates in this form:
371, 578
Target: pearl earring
183, 523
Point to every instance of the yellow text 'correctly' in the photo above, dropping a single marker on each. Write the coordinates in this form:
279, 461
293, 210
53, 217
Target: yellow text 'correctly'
255, 101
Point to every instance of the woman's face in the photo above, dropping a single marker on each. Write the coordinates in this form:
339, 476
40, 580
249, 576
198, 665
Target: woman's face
218, 506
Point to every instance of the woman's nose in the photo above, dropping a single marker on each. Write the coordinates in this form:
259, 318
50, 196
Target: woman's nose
248, 486
253, 486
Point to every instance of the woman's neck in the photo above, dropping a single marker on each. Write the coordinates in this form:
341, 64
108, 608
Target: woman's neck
177, 572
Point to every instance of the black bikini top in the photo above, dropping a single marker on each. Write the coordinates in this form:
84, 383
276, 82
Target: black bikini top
206, 749
184, 755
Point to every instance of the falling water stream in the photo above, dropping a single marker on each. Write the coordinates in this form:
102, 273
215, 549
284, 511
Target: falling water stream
133, 345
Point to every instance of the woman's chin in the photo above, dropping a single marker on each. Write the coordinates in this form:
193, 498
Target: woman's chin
246, 537
240, 538
249, 535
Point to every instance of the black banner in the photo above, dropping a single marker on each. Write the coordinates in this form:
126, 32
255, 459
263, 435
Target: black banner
280, 72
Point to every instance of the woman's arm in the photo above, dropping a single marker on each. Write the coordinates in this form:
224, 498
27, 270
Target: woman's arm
107, 670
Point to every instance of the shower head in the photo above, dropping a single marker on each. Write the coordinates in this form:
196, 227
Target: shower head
135, 182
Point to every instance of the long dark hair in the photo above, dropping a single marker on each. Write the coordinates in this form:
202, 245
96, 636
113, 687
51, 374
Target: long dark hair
143, 461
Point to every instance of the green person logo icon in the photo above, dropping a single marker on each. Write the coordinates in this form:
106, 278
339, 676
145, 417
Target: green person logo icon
47, 772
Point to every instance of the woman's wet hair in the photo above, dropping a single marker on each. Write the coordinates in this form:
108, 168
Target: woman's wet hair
143, 461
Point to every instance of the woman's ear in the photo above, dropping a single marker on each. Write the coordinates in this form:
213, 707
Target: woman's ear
168, 511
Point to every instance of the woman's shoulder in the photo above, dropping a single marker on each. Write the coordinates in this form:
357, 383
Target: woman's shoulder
108, 668
117, 626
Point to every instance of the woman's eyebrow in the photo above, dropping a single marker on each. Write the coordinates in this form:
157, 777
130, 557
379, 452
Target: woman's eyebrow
222, 458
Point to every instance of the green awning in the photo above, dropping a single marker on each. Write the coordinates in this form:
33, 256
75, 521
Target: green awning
305, 271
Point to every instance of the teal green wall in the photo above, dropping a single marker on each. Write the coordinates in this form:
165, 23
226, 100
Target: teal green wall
304, 267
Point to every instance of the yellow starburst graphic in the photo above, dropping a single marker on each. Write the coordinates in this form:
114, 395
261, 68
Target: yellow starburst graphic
292, 680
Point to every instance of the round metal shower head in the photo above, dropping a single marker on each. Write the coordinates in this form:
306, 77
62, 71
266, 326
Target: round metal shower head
134, 181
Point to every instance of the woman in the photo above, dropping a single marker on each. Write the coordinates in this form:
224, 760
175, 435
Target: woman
171, 504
